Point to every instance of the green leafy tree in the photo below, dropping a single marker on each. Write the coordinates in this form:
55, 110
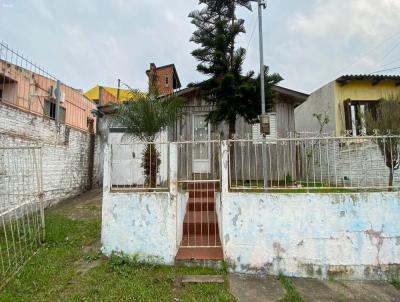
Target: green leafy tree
144, 119
386, 121
231, 92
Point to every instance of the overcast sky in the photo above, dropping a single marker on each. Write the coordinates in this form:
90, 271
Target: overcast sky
309, 42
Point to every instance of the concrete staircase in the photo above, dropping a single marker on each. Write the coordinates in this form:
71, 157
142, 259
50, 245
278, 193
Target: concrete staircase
200, 240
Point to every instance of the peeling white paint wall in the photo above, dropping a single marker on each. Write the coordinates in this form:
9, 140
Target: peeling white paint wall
348, 236
143, 224
140, 223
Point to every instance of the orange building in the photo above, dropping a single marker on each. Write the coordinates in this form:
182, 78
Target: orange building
34, 92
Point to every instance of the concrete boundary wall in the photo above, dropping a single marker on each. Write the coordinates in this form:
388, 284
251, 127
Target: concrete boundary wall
327, 235
142, 224
344, 236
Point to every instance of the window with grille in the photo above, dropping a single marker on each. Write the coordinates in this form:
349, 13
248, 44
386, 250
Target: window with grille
355, 115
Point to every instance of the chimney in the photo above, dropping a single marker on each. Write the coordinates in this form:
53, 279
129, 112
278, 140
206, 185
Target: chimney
153, 80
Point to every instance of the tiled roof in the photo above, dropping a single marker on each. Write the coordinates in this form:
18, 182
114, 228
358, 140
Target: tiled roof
367, 77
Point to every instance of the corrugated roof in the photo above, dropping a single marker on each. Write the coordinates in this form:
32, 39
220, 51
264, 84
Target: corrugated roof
367, 77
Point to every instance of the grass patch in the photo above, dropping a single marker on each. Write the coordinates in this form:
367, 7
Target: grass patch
69, 268
292, 295
396, 283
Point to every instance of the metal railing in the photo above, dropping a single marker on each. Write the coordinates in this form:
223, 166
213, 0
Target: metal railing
315, 163
21, 208
198, 161
140, 166
30, 88
198, 177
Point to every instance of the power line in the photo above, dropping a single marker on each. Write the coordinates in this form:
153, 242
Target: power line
390, 51
251, 36
380, 44
384, 70
368, 52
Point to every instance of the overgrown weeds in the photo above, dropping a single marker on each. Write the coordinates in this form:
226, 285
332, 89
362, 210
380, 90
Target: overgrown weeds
292, 295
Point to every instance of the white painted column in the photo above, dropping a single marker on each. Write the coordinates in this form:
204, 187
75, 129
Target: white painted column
173, 189
107, 169
173, 169
224, 167
106, 190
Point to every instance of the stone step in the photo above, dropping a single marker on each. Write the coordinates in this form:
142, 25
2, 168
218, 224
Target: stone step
203, 279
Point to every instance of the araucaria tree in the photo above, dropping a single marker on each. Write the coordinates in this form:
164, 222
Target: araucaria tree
231, 92
386, 121
144, 119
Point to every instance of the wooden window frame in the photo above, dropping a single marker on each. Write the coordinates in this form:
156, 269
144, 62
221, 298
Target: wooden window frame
348, 113
51, 113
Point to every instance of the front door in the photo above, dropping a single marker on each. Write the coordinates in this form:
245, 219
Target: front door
201, 146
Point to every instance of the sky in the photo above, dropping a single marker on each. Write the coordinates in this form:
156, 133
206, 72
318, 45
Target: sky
308, 42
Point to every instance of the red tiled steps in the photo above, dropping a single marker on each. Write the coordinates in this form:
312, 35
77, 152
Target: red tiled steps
207, 240
201, 204
200, 240
203, 253
202, 194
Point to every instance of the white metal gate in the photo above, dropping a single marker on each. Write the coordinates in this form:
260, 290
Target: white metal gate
200, 223
21, 208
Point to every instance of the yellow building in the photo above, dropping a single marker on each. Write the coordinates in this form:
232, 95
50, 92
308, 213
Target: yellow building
103, 95
344, 101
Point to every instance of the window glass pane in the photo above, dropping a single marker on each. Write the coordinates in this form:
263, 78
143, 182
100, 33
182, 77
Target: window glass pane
200, 133
201, 151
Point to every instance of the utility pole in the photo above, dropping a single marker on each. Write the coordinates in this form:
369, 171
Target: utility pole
261, 5
264, 118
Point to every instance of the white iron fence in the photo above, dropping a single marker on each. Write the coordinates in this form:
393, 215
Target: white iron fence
21, 208
348, 163
140, 166
306, 163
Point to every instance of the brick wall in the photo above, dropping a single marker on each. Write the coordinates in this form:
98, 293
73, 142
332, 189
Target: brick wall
162, 74
65, 151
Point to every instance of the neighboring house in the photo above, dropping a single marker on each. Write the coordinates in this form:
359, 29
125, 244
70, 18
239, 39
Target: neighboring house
344, 101
166, 77
27, 118
34, 92
102, 95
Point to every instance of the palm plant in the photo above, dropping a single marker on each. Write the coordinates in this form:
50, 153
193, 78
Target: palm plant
144, 119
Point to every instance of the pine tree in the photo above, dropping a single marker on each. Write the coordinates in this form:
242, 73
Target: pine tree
230, 91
